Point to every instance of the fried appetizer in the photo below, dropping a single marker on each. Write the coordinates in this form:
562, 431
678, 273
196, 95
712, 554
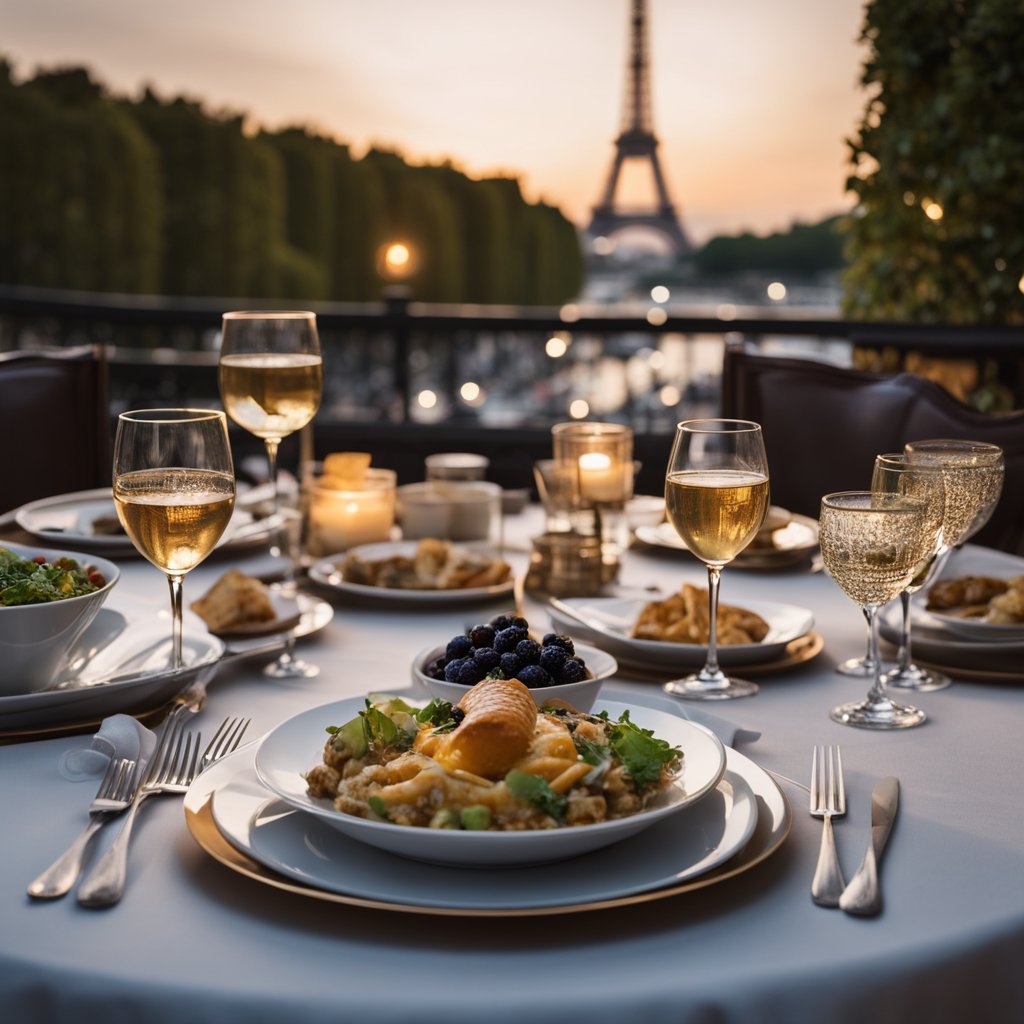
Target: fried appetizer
683, 619
964, 591
435, 565
235, 600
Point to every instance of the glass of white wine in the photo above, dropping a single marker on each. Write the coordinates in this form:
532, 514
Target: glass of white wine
174, 490
873, 545
895, 473
716, 498
271, 382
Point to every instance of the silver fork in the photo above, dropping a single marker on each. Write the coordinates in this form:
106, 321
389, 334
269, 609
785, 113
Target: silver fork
116, 789
173, 766
828, 801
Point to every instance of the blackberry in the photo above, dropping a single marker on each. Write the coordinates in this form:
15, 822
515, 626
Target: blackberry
487, 658
506, 639
500, 622
521, 623
534, 677
559, 640
467, 673
572, 671
435, 668
552, 658
482, 636
458, 647
528, 651
510, 663
452, 669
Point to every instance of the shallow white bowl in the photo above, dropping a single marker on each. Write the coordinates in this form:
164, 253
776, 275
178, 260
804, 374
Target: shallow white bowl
35, 639
288, 751
580, 695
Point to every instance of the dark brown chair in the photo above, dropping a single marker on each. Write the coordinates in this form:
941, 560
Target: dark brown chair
824, 424
55, 423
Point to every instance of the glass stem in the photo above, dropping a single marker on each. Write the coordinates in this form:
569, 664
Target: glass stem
714, 576
876, 694
903, 656
871, 662
176, 580
272, 443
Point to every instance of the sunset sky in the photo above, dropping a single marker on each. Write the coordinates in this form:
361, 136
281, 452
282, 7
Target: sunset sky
752, 100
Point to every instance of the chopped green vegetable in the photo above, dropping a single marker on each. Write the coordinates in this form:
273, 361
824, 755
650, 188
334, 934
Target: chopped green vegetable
445, 818
642, 754
25, 581
535, 790
378, 807
353, 735
440, 714
475, 818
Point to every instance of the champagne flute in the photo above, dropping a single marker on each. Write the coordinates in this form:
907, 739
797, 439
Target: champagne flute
895, 473
271, 381
716, 497
174, 490
873, 545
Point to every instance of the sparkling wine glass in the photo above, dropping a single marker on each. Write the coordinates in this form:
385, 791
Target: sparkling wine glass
271, 381
174, 490
895, 473
873, 545
716, 497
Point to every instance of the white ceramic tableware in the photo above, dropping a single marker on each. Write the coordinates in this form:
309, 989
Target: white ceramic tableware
35, 638
295, 746
580, 695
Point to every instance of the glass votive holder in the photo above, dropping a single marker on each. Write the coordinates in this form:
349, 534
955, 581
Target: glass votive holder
456, 510
359, 512
597, 459
569, 565
456, 466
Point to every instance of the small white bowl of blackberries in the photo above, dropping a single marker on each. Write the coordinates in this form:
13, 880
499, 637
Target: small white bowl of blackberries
552, 665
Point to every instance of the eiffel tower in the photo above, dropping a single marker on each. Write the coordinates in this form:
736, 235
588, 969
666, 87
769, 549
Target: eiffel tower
637, 141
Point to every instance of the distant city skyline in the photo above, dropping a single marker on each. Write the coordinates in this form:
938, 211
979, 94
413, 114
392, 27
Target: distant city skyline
752, 102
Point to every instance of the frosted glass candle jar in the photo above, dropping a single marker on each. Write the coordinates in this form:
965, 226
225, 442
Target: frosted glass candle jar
362, 512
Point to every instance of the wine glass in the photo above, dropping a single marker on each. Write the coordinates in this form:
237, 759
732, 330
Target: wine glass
174, 490
895, 473
271, 381
716, 497
873, 545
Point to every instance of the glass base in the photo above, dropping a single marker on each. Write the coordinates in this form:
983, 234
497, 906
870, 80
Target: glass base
915, 678
861, 668
882, 714
697, 688
291, 668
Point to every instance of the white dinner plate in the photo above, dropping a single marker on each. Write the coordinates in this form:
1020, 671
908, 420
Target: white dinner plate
290, 750
328, 572
120, 664
682, 847
792, 543
612, 618
976, 629
67, 519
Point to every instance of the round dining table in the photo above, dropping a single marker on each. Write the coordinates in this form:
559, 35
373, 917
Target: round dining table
194, 940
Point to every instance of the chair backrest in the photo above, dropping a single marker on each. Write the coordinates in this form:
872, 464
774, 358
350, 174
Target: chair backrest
824, 425
54, 423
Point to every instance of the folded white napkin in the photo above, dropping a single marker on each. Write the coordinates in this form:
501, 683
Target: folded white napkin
728, 732
118, 736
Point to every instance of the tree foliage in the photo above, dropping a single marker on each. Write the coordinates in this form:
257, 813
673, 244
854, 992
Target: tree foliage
153, 195
937, 164
803, 249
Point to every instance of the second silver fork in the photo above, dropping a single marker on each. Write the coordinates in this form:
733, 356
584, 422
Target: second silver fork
828, 801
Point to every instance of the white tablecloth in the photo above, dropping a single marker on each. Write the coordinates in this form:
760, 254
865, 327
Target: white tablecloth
192, 941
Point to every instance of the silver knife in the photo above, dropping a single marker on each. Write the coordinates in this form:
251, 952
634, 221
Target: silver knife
863, 896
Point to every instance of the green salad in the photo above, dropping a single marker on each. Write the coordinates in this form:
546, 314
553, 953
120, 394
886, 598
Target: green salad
35, 581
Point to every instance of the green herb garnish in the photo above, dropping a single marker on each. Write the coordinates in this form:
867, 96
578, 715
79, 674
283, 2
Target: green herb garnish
641, 752
535, 790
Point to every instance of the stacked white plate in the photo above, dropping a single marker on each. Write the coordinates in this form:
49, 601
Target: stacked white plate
259, 804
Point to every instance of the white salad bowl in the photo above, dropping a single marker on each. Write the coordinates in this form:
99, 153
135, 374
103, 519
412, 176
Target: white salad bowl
36, 639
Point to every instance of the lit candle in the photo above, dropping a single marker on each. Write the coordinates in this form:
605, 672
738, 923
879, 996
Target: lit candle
342, 519
601, 478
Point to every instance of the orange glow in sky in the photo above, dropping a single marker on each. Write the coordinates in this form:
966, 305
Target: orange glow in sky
752, 101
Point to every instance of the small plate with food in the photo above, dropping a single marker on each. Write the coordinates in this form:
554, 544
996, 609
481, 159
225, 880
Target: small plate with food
427, 571
238, 607
786, 539
979, 607
671, 633
494, 780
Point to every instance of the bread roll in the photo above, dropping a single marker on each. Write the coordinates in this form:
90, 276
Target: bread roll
500, 719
